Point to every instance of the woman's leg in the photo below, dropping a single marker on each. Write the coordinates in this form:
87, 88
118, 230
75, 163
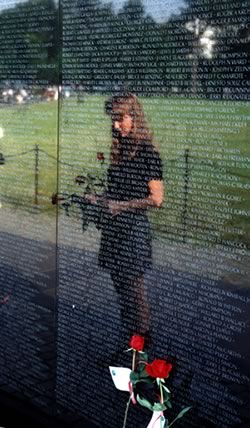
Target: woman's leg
133, 302
141, 304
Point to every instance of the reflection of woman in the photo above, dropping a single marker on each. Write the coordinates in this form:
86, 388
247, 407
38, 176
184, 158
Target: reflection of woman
134, 185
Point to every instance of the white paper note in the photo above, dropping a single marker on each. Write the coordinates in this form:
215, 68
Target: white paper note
121, 377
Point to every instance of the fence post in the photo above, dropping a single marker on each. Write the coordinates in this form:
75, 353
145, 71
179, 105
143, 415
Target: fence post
2, 160
36, 173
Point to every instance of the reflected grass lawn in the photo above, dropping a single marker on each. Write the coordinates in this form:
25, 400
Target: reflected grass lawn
204, 146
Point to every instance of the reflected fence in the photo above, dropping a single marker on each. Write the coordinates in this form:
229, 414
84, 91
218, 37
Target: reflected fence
5, 159
182, 179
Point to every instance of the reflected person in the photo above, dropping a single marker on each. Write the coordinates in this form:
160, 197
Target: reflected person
134, 184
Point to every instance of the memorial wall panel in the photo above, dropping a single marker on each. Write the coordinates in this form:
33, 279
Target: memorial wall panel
28, 146
125, 209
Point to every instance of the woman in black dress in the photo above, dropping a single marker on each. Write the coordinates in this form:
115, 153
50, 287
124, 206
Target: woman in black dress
134, 184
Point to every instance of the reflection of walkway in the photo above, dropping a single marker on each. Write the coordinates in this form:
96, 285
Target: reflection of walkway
40, 227
27, 350
215, 262
196, 319
221, 263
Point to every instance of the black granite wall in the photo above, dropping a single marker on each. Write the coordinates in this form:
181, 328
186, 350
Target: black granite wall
62, 319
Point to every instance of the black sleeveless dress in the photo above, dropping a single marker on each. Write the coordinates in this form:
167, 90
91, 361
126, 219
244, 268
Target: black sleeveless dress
125, 247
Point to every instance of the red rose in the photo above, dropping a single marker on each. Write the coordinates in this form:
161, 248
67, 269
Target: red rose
159, 368
100, 156
137, 343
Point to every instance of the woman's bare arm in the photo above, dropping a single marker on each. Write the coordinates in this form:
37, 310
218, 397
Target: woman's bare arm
154, 200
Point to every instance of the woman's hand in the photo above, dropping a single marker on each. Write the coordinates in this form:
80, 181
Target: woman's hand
156, 192
92, 198
115, 207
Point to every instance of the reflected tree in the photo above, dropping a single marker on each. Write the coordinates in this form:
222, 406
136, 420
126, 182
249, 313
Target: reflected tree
29, 43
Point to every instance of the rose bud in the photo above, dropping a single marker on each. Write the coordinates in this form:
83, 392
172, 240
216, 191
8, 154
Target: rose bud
100, 156
137, 343
159, 368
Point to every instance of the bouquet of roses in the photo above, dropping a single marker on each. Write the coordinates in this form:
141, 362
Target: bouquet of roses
156, 395
93, 186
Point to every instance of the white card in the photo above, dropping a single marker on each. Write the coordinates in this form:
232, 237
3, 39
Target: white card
121, 377
155, 421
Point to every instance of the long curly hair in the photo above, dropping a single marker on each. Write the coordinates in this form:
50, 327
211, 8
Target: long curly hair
116, 107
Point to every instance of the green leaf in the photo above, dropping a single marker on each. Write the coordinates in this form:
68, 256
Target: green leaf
146, 380
134, 377
166, 396
182, 413
143, 357
158, 407
143, 402
142, 372
141, 380
169, 404
166, 389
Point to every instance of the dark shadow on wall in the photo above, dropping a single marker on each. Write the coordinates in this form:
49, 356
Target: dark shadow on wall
27, 350
62, 369
28, 336
199, 326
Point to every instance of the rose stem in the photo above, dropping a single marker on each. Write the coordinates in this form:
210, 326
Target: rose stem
130, 398
161, 391
126, 413
133, 361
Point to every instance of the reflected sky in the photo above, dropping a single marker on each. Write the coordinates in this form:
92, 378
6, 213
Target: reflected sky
6, 4
159, 10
